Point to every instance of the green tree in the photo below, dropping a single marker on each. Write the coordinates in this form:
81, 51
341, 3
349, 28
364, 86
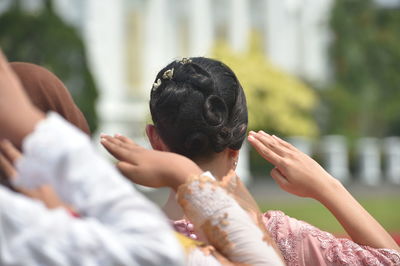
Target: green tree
44, 39
365, 53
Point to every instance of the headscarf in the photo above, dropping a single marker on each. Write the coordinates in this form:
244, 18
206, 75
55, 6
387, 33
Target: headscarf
48, 93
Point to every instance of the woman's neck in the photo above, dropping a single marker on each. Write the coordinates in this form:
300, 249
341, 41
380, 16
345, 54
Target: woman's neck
219, 166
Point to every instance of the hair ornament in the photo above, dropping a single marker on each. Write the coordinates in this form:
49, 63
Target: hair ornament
156, 84
168, 74
185, 60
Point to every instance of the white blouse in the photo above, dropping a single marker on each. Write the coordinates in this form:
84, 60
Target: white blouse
118, 226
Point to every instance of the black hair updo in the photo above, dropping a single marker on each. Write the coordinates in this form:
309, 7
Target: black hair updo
198, 107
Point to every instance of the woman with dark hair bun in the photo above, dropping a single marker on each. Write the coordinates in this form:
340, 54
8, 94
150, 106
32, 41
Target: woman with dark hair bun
199, 110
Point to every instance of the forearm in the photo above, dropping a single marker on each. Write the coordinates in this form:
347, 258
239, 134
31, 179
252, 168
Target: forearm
225, 224
358, 223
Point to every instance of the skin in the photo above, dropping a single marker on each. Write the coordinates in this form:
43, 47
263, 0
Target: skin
299, 174
18, 117
137, 163
219, 164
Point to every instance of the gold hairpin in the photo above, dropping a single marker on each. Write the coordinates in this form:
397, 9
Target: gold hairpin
168, 74
156, 84
185, 60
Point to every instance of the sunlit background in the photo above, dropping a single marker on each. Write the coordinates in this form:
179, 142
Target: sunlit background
323, 74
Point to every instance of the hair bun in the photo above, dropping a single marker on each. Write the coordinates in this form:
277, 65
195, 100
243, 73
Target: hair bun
195, 75
201, 109
215, 110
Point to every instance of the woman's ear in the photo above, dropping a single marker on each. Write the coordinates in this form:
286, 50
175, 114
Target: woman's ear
234, 154
155, 140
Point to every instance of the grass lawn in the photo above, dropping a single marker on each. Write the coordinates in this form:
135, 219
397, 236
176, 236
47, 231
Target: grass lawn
385, 209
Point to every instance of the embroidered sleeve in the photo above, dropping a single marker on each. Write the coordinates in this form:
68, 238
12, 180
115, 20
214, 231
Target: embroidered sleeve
225, 224
304, 244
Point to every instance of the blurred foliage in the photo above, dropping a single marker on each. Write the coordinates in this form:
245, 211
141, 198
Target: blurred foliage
365, 53
43, 38
381, 208
277, 102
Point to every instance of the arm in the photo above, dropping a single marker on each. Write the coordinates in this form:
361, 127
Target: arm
226, 225
119, 226
297, 173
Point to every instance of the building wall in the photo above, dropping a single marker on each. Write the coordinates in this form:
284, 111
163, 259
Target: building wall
128, 41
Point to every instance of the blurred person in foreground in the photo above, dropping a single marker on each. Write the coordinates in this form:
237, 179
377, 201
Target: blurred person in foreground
118, 226
199, 110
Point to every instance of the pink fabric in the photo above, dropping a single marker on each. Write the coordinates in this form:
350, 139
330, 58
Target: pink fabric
304, 244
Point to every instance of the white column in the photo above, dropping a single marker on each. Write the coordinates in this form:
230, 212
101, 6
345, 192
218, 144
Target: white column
369, 161
391, 147
159, 46
239, 24
282, 41
104, 31
243, 167
315, 34
336, 160
301, 143
201, 35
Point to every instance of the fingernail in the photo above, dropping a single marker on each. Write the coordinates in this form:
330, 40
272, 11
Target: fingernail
251, 138
252, 132
103, 140
103, 135
117, 135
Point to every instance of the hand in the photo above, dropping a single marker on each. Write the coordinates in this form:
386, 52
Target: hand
294, 171
45, 193
18, 117
149, 167
8, 155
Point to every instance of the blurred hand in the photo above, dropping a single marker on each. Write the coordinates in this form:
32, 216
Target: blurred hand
294, 171
18, 117
149, 167
45, 193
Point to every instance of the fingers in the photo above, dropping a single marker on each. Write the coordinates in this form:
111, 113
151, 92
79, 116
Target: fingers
6, 167
116, 148
9, 151
3, 61
285, 144
8, 155
124, 139
270, 142
265, 152
279, 178
119, 140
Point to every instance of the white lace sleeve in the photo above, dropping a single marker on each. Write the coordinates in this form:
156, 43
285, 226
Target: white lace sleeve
118, 225
225, 224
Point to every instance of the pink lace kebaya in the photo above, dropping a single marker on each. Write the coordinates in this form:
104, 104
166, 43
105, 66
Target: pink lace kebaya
303, 244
